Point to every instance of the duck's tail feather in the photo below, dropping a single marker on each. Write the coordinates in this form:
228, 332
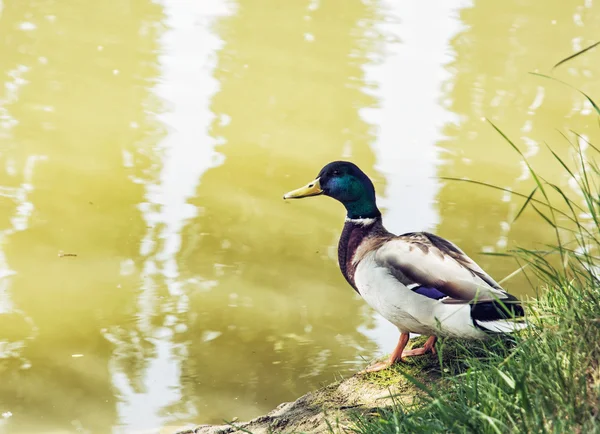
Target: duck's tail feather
498, 316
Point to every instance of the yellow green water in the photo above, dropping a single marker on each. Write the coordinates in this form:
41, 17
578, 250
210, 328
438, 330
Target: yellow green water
154, 140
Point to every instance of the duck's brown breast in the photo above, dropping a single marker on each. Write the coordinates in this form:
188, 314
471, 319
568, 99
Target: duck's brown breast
356, 241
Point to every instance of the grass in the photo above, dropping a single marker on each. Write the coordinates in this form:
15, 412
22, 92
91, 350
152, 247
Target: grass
546, 379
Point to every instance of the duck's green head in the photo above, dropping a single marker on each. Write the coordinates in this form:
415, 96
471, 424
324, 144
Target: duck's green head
345, 182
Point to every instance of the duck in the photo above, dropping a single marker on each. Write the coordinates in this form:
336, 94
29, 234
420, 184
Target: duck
420, 282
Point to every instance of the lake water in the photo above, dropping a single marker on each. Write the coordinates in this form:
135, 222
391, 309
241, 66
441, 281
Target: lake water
151, 275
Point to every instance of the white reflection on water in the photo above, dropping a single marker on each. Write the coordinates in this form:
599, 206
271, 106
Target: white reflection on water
410, 117
18, 195
188, 59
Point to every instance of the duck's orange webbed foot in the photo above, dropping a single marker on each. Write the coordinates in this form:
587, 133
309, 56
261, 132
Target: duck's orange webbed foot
428, 347
395, 357
376, 367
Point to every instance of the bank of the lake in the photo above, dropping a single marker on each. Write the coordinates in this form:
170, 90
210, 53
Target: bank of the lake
337, 406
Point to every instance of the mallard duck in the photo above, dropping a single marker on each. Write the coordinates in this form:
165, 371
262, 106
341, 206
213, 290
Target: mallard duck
418, 281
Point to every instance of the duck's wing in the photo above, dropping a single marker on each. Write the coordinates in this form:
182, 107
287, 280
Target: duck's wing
433, 262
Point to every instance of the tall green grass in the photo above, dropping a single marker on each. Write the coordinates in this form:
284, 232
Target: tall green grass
545, 379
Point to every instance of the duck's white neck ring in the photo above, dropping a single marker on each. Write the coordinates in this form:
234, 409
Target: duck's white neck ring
362, 222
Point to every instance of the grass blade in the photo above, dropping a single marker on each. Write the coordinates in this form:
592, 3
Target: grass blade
579, 53
574, 88
495, 187
525, 204
586, 141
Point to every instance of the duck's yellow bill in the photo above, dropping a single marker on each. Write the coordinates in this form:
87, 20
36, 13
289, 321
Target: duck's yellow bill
311, 189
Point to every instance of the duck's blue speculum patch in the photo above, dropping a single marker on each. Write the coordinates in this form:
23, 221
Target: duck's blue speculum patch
428, 292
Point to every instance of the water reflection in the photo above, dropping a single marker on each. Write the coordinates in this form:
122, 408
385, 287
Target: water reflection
17, 326
182, 156
77, 99
496, 84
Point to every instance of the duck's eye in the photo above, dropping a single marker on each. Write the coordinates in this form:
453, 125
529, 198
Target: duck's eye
336, 173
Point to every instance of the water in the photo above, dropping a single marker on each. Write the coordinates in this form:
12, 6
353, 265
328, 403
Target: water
150, 273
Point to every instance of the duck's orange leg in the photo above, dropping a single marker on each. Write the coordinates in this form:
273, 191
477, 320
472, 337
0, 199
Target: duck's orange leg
395, 357
429, 346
